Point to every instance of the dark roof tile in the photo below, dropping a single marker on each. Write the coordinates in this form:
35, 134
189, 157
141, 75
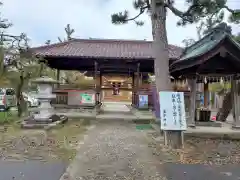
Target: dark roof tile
105, 48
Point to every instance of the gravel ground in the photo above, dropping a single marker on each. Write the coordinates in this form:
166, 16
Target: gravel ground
210, 151
115, 151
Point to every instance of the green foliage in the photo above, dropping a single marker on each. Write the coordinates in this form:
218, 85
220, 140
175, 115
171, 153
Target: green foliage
197, 10
48, 42
219, 87
8, 117
188, 42
207, 24
69, 32
77, 79
237, 37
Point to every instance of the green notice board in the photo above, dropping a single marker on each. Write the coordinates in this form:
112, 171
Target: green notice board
87, 98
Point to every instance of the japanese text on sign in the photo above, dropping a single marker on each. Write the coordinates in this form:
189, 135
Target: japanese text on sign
172, 111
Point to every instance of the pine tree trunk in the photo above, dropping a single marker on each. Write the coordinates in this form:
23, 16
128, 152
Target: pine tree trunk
226, 108
161, 62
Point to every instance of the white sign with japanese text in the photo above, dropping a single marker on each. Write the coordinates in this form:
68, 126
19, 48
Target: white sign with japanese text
172, 111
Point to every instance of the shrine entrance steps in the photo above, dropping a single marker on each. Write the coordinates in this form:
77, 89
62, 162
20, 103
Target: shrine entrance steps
116, 111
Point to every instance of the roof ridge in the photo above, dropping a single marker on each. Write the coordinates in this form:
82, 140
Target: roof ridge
108, 40
53, 45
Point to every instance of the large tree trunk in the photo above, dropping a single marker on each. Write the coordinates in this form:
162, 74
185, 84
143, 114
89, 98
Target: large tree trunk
161, 61
160, 47
226, 108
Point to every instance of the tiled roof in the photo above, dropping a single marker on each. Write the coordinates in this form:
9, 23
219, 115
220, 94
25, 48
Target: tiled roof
105, 48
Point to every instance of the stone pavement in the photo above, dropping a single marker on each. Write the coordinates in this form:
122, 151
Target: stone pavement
201, 172
31, 170
114, 151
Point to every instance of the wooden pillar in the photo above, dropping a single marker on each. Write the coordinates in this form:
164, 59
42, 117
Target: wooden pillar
192, 108
236, 105
138, 76
58, 77
140, 79
133, 89
206, 94
95, 74
100, 86
97, 82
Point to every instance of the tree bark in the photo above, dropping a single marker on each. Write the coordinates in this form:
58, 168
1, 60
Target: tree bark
227, 106
20, 99
161, 61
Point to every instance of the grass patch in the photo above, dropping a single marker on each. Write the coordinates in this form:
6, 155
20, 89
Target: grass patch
144, 126
8, 117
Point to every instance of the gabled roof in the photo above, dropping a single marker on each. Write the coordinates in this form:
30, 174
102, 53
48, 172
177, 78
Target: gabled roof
208, 42
103, 48
194, 54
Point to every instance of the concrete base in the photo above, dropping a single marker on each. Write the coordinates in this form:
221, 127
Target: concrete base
192, 126
31, 123
208, 124
236, 127
224, 132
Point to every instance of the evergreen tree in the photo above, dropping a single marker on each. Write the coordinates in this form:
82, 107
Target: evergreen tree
13, 66
237, 37
196, 11
69, 32
205, 26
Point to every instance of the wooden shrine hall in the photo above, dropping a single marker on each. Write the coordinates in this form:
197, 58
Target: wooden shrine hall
214, 58
120, 67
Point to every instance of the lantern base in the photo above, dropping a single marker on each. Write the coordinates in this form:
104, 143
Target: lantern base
46, 123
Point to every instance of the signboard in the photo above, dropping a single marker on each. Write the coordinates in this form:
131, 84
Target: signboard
87, 98
80, 98
143, 101
172, 111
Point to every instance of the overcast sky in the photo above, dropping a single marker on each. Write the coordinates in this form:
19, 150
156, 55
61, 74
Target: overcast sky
46, 19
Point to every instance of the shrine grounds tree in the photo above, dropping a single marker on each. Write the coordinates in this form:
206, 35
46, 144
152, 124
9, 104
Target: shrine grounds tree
205, 26
237, 37
196, 11
74, 78
69, 32
13, 67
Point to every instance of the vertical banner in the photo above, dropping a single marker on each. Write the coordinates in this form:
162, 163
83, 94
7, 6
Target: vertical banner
143, 101
172, 111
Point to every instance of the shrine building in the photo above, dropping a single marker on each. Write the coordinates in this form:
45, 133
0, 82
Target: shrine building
120, 67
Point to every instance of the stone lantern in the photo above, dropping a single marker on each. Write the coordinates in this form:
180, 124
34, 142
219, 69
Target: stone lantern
44, 96
45, 113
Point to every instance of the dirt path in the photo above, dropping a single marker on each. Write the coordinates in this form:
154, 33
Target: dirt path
115, 151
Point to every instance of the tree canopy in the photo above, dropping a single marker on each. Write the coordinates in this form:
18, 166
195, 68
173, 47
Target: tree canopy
197, 9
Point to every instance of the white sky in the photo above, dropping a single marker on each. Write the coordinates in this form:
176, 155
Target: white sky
45, 19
